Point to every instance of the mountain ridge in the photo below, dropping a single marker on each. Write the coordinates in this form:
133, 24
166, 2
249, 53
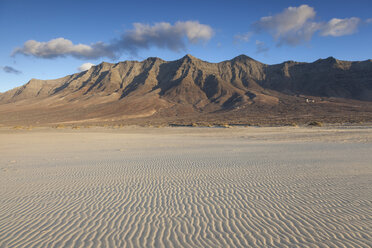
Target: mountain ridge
191, 89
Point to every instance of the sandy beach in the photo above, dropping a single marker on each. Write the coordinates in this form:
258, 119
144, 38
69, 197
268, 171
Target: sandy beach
186, 187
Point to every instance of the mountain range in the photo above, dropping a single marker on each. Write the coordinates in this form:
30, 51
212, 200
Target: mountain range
189, 90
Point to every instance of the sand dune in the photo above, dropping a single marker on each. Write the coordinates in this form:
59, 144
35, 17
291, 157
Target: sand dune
186, 187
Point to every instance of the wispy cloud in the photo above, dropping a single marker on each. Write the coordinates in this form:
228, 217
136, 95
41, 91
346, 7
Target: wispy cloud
261, 47
143, 36
9, 69
243, 37
295, 25
85, 66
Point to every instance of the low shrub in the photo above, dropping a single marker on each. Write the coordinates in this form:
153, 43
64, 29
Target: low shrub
315, 124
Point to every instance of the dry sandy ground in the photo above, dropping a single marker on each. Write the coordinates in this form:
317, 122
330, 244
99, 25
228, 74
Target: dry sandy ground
186, 187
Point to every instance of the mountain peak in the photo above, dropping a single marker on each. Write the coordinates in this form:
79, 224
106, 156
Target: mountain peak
243, 57
153, 59
332, 59
103, 63
329, 60
34, 81
189, 57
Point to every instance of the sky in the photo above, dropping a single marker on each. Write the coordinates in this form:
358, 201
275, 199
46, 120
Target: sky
52, 39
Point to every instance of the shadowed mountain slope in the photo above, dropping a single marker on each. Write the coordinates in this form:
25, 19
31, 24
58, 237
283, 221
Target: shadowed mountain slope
190, 89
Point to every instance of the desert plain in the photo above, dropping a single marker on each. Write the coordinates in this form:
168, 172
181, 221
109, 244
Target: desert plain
186, 187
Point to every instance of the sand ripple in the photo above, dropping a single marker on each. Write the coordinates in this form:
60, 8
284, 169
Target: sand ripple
245, 195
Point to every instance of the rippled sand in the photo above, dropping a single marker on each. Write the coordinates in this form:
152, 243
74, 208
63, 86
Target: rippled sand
186, 187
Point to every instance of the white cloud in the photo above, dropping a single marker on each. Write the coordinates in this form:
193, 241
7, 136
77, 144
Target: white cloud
195, 31
163, 35
292, 18
368, 21
142, 36
291, 26
295, 25
85, 66
301, 35
61, 47
340, 27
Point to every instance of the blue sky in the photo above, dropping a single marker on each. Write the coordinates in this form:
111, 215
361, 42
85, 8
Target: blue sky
51, 39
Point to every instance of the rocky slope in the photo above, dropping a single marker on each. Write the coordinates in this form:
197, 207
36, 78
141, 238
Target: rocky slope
190, 89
